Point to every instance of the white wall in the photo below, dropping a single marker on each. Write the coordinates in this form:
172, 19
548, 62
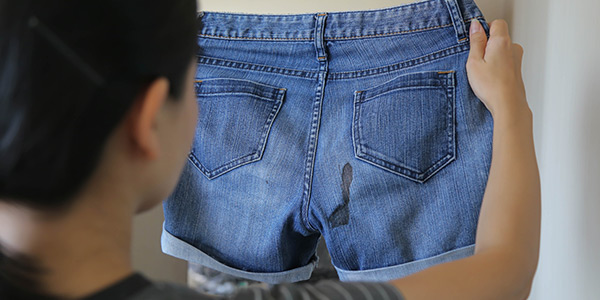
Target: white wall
562, 60
570, 168
562, 47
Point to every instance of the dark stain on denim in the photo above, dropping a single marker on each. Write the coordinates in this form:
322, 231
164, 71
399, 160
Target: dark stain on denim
340, 215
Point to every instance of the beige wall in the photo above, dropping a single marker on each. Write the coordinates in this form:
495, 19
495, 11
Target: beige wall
147, 256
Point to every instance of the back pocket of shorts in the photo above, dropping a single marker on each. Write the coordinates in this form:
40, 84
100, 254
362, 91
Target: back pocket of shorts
234, 120
406, 125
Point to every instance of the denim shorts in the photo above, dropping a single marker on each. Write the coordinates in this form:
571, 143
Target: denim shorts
359, 127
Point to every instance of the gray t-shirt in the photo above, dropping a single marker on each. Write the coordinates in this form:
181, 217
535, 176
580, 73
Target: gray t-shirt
137, 287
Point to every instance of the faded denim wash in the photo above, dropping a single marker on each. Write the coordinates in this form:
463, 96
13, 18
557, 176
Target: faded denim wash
359, 127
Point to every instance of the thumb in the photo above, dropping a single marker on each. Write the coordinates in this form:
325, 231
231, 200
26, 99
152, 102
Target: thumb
478, 41
518, 56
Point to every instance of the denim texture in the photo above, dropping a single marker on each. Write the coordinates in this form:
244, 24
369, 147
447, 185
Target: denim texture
359, 127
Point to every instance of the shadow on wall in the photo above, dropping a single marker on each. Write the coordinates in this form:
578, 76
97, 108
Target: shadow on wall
588, 150
528, 22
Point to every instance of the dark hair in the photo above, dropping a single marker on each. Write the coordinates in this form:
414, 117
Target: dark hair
18, 277
69, 72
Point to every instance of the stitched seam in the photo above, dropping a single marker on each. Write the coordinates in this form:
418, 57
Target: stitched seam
255, 38
401, 65
327, 38
412, 87
391, 33
253, 95
262, 86
257, 155
267, 129
333, 38
398, 167
218, 62
224, 63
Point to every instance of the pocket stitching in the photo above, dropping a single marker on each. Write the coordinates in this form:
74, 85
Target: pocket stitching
238, 162
367, 99
261, 145
400, 168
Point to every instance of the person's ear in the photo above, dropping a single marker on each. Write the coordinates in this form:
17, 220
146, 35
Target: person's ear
144, 116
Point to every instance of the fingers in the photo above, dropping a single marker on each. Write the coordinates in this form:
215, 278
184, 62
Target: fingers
498, 47
478, 41
499, 28
517, 51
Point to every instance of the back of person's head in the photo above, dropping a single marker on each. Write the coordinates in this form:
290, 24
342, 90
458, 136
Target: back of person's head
69, 72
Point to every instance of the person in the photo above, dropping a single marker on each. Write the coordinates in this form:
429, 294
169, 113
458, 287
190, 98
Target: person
98, 112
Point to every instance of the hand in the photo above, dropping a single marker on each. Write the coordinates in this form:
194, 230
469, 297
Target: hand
494, 70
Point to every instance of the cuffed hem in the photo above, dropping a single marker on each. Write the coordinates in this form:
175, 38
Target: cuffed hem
399, 271
173, 246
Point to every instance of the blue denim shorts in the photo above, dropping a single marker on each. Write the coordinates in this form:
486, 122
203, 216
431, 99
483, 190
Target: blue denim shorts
358, 127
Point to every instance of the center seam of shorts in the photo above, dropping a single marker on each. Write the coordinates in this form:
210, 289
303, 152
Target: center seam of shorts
321, 58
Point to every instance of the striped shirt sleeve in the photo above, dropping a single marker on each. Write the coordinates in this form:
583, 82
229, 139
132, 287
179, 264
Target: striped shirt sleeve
323, 290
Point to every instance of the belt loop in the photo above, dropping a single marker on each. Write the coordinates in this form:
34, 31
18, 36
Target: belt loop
319, 36
199, 16
462, 34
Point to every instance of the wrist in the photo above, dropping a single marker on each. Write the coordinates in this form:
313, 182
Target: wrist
512, 109
521, 118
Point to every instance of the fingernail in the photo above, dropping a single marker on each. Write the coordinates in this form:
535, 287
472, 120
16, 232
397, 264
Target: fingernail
476, 26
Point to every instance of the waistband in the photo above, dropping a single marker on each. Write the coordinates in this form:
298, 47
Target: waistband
408, 18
